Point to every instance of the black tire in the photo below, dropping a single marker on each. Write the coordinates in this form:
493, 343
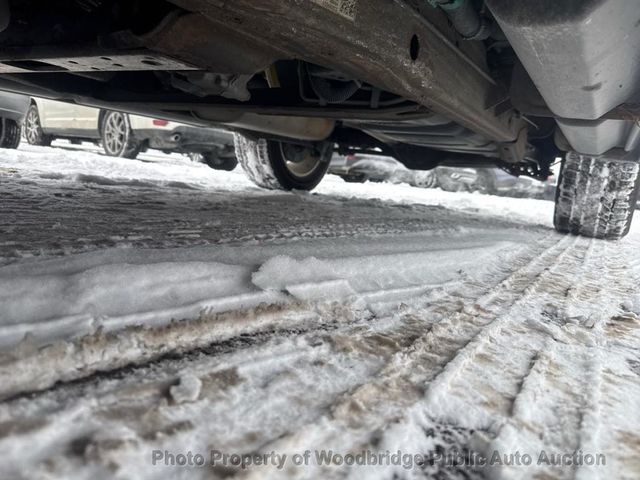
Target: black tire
269, 164
425, 179
10, 135
117, 136
219, 162
485, 182
33, 128
596, 196
355, 178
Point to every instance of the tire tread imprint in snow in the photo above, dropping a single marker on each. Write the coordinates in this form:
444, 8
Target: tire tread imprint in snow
554, 394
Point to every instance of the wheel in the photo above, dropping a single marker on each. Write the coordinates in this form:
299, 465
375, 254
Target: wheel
215, 160
596, 196
447, 183
10, 135
283, 166
485, 182
117, 136
33, 128
425, 179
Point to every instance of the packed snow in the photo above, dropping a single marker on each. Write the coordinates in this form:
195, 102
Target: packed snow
163, 320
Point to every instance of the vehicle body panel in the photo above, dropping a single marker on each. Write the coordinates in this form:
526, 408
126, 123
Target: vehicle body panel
69, 120
13, 106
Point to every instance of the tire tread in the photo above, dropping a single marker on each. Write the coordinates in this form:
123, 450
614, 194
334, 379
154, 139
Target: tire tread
596, 196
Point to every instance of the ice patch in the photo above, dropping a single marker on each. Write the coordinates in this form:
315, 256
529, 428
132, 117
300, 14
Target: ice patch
330, 289
374, 273
279, 272
57, 303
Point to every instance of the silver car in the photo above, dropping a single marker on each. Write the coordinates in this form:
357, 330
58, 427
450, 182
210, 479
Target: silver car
124, 135
491, 181
378, 168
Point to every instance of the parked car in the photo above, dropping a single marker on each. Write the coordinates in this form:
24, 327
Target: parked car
378, 168
123, 135
363, 168
13, 108
453, 179
492, 181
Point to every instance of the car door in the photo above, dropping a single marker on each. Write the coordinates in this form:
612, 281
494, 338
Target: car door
55, 116
68, 119
85, 120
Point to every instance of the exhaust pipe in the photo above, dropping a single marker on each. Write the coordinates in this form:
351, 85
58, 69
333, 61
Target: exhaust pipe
309, 129
299, 128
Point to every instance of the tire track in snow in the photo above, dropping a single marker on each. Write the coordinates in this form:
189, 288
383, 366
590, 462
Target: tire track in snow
107, 351
72, 361
60, 218
520, 362
382, 339
614, 386
369, 375
399, 385
558, 406
544, 266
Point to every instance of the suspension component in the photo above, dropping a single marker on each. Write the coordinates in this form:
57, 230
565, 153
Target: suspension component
465, 18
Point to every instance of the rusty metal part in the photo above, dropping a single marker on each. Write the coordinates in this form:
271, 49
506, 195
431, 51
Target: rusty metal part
628, 111
198, 40
180, 42
42, 60
414, 60
514, 152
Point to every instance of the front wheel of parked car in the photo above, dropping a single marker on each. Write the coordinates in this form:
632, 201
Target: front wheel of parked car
447, 182
117, 136
281, 165
485, 182
33, 128
10, 135
596, 196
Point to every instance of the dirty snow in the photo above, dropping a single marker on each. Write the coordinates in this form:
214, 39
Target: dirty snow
156, 308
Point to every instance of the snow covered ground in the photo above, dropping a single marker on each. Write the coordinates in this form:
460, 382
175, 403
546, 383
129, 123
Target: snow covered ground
159, 319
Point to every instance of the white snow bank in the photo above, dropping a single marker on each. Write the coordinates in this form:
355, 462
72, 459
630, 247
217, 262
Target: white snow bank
54, 304
375, 273
88, 167
114, 288
535, 212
